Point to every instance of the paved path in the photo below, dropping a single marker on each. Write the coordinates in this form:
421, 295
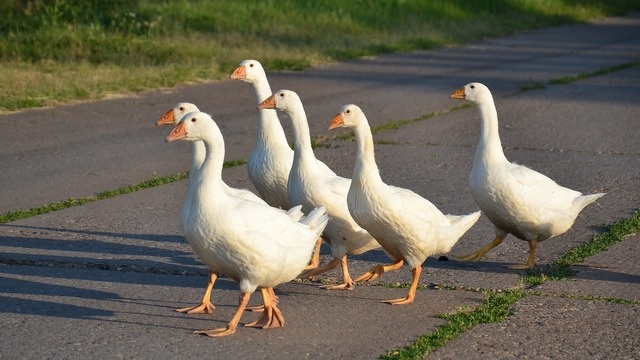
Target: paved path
102, 280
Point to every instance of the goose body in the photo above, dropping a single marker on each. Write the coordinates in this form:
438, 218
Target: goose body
270, 160
408, 226
517, 200
173, 117
248, 241
271, 157
311, 186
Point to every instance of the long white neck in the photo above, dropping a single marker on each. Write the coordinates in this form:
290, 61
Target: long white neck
270, 131
197, 159
365, 169
262, 88
303, 151
489, 148
208, 181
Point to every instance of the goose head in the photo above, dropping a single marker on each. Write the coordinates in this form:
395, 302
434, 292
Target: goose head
474, 92
350, 116
248, 71
283, 100
195, 126
173, 116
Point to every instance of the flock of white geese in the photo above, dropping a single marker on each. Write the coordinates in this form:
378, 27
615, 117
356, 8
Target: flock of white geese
262, 241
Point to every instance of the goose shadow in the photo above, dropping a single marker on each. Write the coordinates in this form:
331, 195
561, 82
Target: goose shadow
98, 250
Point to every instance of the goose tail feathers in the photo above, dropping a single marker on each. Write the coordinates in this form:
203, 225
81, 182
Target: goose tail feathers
316, 220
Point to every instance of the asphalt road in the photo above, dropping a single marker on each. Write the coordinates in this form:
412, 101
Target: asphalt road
103, 279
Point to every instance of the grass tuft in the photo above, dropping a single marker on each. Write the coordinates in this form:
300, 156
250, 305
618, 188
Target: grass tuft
145, 184
233, 163
536, 86
614, 234
552, 272
495, 308
59, 51
59, 205
583, 76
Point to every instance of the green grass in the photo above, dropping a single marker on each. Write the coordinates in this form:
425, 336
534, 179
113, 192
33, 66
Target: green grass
145, 184
59, 205
61, 51
233, 163
397, 124
561, 268
595, 298
614, 234
553, 272
536, 86
582, 76
495, 308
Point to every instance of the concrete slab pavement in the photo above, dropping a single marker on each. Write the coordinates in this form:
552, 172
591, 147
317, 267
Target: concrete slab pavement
59, 143
103, 279
553, 328
109, 314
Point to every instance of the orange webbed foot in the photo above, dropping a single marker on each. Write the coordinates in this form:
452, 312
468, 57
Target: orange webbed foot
271, 316
226, 331
203, 308
378, 270
344, 286
401, 301
411, 295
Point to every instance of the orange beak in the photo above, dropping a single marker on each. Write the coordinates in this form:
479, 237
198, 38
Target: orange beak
268, 103
178, 133
239, 73
166, 119
337, 122
458, 94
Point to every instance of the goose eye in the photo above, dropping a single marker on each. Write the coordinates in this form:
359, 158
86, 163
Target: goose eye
250, 65
348, 111
193, 119
281, 95
472, 86
181, 108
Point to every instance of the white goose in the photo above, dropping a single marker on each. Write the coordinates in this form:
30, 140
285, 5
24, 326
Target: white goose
251, 242
409, 227
517, 200
173, 117
311, 186
271, 157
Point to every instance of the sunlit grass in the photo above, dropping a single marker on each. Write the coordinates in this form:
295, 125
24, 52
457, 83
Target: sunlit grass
496, 308
71, 202
614, 233
78, 50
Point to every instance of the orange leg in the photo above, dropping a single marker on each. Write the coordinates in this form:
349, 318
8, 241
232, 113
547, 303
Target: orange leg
233, 324
260, 308
478, 254
205, 307
321, 269
411, 295
271, 316
347, 282
531, 260
378, 270
315, 257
